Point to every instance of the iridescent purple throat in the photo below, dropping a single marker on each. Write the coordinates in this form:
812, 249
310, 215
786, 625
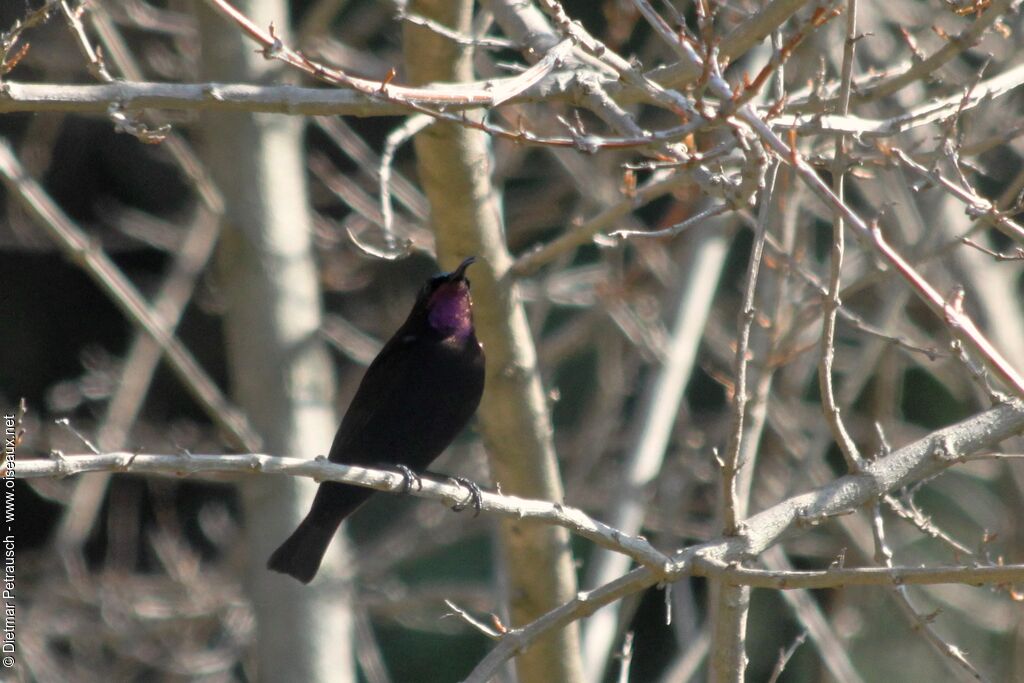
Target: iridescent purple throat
450, 311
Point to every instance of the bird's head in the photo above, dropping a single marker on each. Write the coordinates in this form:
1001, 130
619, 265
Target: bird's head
448, 303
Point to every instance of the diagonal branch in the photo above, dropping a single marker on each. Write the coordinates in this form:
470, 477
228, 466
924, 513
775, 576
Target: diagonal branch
123, 293
915, 462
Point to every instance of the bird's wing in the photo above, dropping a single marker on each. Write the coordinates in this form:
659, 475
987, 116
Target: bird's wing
379, 397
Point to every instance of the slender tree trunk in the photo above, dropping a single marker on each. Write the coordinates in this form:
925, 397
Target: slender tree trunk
280, 371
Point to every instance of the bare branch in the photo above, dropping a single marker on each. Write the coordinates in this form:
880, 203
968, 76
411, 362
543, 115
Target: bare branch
919, 460
452, 494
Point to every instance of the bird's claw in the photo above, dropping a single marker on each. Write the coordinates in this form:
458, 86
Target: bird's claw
409, 479
475, 496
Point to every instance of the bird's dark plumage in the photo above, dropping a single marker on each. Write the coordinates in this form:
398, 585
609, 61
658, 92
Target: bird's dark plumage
414, 399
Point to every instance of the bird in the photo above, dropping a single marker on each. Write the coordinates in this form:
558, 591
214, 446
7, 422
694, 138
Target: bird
414, 399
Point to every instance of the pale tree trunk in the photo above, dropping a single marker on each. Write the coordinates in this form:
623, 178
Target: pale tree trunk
280, 371
453, 164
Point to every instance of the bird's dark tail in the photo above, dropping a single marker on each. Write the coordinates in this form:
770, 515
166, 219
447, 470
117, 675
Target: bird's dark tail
301, 553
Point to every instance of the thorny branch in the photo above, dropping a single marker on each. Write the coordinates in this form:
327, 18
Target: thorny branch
453, 494
918, 460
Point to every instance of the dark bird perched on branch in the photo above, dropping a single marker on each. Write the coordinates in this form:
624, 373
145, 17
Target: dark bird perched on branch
415, 398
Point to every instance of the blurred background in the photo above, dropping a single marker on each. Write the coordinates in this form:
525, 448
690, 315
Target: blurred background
144, 578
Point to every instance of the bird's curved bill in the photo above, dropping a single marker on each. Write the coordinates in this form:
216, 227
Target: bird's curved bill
460, 272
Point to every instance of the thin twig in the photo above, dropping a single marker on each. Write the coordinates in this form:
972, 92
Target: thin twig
831, 302
785, 656
730, 463
950, 653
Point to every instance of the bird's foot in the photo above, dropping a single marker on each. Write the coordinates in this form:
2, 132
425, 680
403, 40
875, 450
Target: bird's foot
409, 479
475, 496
